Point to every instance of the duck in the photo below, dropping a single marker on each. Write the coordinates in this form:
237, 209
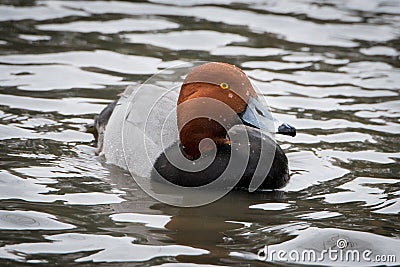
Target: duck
213, 125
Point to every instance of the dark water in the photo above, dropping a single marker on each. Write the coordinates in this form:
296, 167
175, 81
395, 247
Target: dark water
330, 68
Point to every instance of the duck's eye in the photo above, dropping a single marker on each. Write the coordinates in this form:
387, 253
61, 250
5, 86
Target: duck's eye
224, 86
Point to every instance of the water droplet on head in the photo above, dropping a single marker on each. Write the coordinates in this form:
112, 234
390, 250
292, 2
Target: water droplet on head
230, 95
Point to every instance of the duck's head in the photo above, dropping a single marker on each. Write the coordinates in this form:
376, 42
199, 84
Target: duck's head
230, 85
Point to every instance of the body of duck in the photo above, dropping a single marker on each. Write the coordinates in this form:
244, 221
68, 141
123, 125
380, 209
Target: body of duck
215, 108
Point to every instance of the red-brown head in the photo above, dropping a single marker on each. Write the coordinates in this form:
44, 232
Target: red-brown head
218, 81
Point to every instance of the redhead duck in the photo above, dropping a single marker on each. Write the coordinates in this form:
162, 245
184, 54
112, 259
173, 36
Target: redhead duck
215, 107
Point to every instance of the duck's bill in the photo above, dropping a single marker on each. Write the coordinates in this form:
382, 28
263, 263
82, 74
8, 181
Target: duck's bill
257, 115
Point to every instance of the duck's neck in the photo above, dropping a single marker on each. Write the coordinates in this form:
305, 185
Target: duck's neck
192, 134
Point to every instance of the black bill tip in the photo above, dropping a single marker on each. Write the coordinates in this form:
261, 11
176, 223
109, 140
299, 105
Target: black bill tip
287, 129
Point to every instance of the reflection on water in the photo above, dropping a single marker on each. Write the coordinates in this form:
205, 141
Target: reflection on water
330, 68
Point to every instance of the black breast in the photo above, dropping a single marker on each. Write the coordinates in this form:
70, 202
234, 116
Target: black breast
260, 146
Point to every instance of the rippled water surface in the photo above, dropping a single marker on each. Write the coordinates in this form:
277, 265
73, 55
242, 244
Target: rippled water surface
330, 68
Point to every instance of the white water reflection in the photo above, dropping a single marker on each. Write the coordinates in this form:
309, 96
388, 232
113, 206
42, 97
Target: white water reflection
363, 189
63, 77
310, 9
65, 106
202, 2
111, 26
270, 206
187, 264
322, 34
31, 37
11, 131
39, 191
247, 51
187, 40
319, 215
30, 220
288, 88
369, 155
379, 51
391, 206
111, 249
309, 169
150, 220
273, 65
106, 60
37, 12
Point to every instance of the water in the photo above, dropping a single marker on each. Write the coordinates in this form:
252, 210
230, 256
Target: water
329, 68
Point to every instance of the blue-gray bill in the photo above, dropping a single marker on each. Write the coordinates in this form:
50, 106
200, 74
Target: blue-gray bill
258, 116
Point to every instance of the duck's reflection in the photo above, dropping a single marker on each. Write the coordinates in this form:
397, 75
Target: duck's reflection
208, 227
212, 226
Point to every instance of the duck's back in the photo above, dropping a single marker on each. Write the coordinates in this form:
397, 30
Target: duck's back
132, 131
